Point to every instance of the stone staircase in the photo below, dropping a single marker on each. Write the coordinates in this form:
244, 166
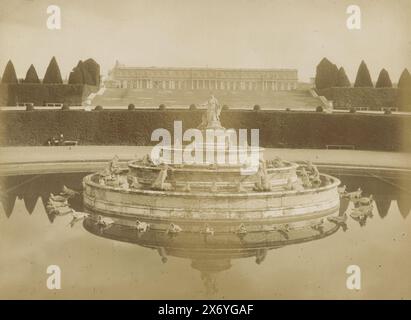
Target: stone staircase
93, 95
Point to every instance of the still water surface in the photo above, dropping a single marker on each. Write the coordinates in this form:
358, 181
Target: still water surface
98, 265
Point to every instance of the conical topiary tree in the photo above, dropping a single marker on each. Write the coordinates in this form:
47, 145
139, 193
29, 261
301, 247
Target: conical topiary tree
404, 86
53, 74
326, 74
9, 74
335, 74
363, 79
93, 69
31, 76
342, 79
405, 80
384, 80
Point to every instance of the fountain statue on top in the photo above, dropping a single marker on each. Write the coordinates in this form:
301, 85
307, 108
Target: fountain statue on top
211, 119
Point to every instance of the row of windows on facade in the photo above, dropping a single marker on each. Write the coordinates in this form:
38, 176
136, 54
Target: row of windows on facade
275, 75
207, 84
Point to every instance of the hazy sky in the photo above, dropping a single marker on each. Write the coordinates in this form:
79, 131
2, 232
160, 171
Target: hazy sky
214, 33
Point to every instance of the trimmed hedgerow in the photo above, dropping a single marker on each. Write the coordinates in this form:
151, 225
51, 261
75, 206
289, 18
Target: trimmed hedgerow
40, 94
277, 128
372, 98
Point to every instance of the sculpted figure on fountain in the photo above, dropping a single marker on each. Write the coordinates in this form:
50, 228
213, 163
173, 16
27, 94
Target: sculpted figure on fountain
263, 183
211, 120
159, 183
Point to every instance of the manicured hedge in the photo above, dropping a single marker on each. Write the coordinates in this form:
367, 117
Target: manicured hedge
40, 94
4, 94
372, 98
277, 128
404, 99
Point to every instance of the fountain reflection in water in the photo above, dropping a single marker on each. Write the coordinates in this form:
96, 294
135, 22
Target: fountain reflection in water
210, 249
212, 253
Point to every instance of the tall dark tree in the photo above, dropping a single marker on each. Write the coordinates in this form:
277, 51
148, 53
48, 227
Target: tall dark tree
53, 74
404, 97
76, 76
405, 80
31, 76
342, 79
87, 79
326, 74
80, 75
384, 80
93, 69
9, 74
363, 79
335, 73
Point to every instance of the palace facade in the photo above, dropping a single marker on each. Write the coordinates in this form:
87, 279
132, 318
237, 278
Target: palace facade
122, 76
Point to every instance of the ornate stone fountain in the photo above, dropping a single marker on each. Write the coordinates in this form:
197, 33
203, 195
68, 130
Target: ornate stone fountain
216, 194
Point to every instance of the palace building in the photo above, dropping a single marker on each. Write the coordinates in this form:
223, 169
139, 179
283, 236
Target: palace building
160, 78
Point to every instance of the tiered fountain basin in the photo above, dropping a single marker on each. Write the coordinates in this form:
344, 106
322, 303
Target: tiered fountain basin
203, 176
222, 205
211, 181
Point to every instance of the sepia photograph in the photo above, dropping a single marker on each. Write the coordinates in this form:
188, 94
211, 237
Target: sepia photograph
205, 150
